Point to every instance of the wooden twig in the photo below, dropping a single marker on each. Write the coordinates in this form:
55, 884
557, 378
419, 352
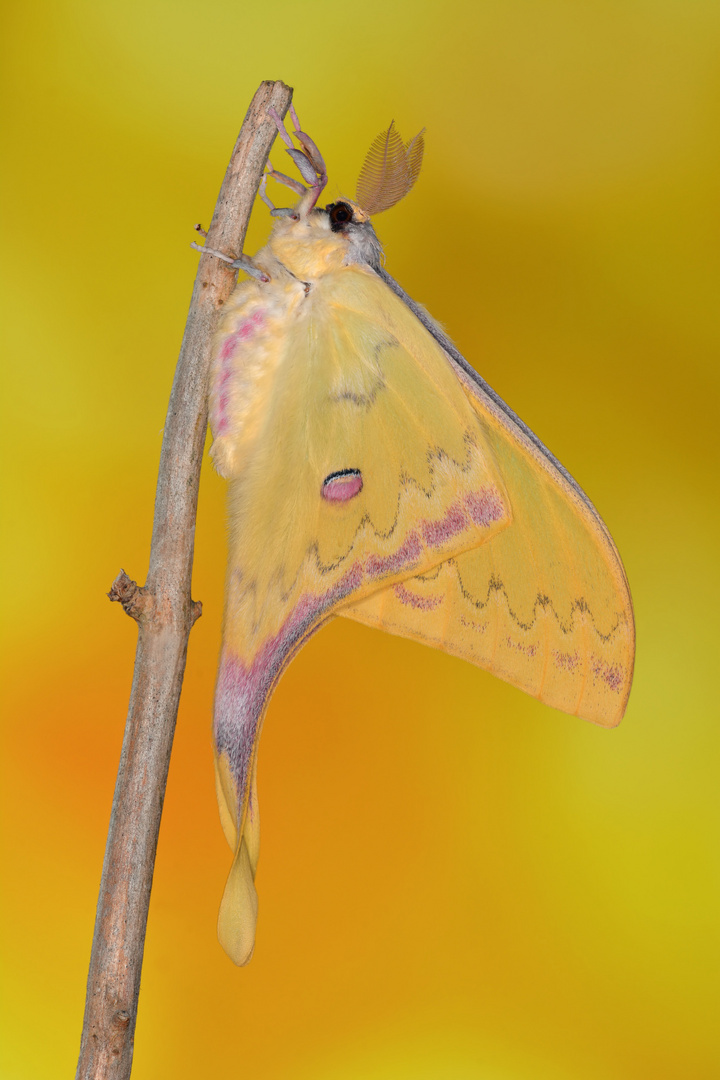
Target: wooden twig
165, 613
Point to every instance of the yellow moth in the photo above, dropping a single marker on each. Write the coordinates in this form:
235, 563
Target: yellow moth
373, 474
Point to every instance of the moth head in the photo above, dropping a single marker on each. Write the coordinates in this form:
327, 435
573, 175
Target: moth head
347, 219
345, 213
343, 230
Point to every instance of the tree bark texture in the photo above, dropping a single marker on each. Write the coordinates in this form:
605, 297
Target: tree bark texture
165, 614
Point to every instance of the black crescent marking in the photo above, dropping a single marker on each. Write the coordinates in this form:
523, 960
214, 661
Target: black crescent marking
340, 472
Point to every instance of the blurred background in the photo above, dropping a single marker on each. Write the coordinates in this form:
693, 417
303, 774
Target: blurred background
455, 881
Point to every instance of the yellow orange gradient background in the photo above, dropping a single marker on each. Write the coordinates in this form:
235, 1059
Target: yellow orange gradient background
455, 882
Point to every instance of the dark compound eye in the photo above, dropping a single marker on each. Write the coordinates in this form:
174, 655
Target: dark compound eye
340, 213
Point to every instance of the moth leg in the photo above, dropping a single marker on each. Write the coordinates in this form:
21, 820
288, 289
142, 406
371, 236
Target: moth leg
262, 192
309, 161
286, 180
282, 131
275, 211
205, 250
309, 146
243, 262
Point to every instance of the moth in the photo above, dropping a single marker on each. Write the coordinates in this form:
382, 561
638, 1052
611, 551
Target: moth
374, 475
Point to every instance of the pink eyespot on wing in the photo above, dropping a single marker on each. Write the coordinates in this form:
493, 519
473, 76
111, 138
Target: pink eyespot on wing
342, 485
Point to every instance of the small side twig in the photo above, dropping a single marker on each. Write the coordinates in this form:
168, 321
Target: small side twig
127, 592
165, 613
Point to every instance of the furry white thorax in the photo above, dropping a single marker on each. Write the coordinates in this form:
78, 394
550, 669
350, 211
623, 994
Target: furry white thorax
305, 244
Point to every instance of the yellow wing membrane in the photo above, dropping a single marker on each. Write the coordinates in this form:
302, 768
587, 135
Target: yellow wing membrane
545, 606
